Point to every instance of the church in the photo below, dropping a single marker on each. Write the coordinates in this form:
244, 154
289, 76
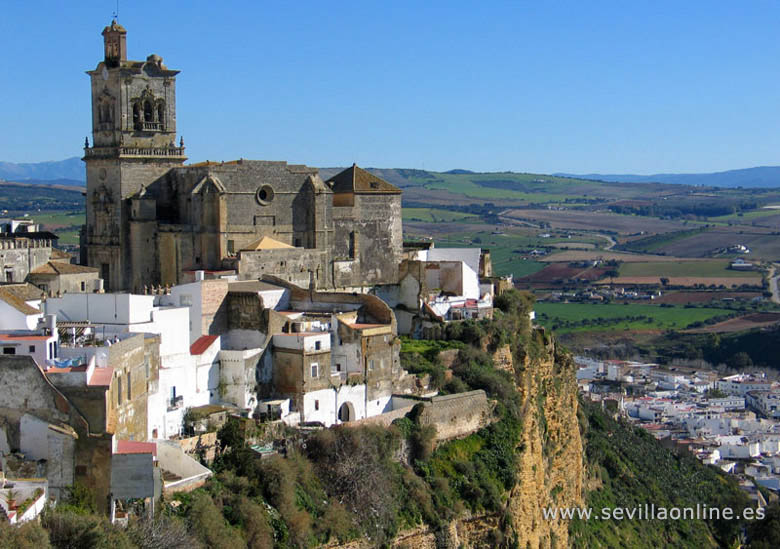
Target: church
152, 220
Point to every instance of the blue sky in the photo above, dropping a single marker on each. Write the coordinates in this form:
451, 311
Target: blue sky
610, 87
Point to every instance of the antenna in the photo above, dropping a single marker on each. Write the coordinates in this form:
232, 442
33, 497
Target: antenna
116, 13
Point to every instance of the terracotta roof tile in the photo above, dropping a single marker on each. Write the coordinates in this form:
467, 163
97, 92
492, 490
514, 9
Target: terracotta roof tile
101, 377
201, 344
358, 180
17, 302
135, 447
60, 268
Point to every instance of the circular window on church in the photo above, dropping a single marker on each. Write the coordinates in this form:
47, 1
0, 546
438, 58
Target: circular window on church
264, 195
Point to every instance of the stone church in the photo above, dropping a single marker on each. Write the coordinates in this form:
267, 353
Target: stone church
152, 220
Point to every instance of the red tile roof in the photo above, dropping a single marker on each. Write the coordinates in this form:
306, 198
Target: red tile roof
201, 344
56, 370
133, 447
101, 377
12, 337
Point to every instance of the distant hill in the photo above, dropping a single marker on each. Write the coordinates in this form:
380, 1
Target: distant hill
763, 177
71, 172
61, 172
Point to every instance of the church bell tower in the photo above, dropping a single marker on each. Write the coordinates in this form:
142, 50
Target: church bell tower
133, 145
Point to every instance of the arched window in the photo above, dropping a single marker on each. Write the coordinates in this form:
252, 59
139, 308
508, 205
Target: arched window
148, 112
106, 114
161, 114
137, 116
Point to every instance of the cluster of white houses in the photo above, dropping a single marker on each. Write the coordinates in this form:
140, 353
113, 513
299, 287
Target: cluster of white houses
101, 382
731, 422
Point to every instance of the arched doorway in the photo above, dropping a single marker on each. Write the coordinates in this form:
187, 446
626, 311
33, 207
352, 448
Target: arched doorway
346, 412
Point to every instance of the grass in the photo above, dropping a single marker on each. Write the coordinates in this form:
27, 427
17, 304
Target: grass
706, 269
746, 216
436, 215
64, 224
469, 188
653, 243
581, 317
59, 219
503, 248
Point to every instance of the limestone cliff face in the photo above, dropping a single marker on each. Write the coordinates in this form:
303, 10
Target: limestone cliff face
550, 460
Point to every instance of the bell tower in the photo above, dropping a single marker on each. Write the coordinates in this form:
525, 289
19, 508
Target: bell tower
133, 145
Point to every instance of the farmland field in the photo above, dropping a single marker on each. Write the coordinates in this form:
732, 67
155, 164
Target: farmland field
586, 255
435, 215
762, 243
747, 322
685, 297
714, 268
508, 250
580, 317
597, 221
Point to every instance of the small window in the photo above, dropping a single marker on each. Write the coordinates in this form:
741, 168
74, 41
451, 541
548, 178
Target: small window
9, 350
128, 386
119, 391
371, 364
316, 404
83, 286
231, 246
32, 348
315, 370
146, 365
317, 345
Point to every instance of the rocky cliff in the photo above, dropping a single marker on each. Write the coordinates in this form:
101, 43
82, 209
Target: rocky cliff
551, 455
549, 461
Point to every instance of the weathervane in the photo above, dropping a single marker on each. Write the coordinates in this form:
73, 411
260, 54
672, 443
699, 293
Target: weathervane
116, 13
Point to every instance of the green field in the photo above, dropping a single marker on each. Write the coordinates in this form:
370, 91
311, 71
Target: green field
716, 268
746, 216
436, 215
469, 188
64, 224
504, 248
583, 317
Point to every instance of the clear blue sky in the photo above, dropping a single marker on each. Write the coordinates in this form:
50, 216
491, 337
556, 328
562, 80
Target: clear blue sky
640, 87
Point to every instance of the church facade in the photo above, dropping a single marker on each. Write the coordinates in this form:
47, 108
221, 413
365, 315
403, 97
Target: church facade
152, 220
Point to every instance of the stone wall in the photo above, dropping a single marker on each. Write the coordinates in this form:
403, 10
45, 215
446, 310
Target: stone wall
457, 415
204, 445
290, 264
17, 263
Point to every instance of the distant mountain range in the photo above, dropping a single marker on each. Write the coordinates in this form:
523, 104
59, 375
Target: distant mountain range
759, 177
60, 172
71, 172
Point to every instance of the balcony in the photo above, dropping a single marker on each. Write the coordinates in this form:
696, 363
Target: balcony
150, 126
135, 152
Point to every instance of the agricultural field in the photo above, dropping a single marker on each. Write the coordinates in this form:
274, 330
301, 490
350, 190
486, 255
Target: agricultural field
608, 255
52, 221
509, 250
714, 268
582, 317
436, 215
740, 324
584, 220
555, 273
701, 297
536, 188
763, 244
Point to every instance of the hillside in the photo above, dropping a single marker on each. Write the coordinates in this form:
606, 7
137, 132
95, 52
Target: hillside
762, 177
70, 169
